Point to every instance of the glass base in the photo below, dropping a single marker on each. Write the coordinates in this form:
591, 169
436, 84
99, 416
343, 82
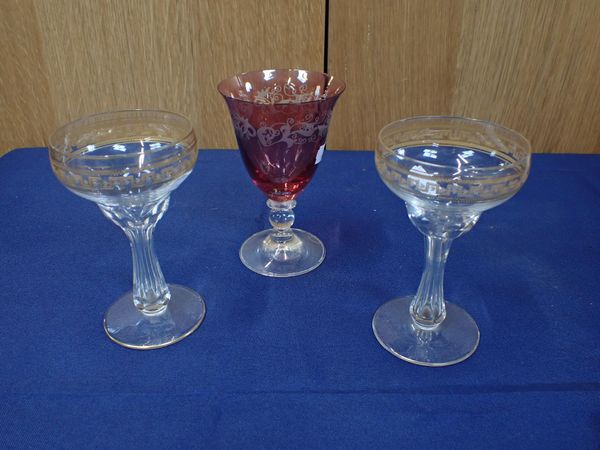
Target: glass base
127, 326
303, 253
453, 341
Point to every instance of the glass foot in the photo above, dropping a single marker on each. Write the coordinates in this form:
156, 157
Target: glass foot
453, 341
127, 326
301, 254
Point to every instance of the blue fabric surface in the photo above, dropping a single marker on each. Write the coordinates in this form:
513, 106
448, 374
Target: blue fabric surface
293, 363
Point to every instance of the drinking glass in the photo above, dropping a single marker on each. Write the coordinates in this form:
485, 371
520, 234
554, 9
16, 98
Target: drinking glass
280, 118
448, 170
128, 162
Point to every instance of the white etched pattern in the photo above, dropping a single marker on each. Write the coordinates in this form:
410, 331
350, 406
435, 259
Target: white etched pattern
422, 182
285, 94
122, 182
291, 132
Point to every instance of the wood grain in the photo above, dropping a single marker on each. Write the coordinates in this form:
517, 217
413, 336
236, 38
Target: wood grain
68, 58
25, 109
532, 65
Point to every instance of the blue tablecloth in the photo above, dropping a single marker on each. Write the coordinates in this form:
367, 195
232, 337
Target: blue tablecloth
293, 363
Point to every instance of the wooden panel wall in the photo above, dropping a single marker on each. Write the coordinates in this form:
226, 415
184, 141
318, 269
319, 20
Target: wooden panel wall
61, 59
533, 65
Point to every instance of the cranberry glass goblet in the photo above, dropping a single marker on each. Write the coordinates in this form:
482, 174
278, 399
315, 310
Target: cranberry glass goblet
129, 162
280, 118
448, 170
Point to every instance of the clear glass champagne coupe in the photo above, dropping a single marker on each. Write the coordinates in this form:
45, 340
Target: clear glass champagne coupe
128, 162
280, 118
448, 170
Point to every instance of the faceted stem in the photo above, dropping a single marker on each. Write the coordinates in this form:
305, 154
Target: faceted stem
427, 308
150, 291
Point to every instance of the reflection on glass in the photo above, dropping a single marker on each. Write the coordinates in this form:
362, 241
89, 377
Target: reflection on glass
281, 122
129, 162
448, 170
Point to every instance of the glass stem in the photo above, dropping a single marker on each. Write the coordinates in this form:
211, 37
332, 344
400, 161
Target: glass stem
281, 218
427, 308
150, 291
